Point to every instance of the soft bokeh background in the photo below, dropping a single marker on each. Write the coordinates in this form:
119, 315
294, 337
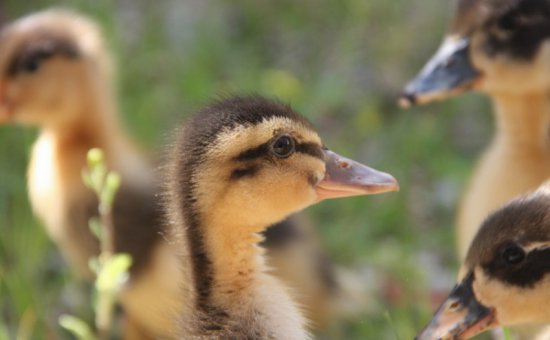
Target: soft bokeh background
342, 64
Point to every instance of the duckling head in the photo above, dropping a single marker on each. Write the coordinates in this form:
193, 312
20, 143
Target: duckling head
494, 46
51, 64
255, 161
505, 279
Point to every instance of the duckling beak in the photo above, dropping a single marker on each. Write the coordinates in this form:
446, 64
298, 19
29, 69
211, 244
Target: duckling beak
345, 177
449, 72
461, 316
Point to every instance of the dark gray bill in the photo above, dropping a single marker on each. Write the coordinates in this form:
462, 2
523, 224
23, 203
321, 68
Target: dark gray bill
461, 316
448, 72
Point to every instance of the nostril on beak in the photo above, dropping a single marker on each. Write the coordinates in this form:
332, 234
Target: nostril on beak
454, 306
344, 165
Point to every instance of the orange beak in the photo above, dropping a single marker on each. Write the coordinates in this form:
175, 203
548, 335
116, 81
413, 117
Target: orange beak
345, 177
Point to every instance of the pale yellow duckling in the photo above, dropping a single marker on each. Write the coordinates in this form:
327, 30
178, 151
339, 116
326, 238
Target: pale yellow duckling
500, 48
505, 279
56, 74
238, 166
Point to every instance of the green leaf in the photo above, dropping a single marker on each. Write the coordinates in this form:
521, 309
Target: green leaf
95, 157
97, 177
113, 182
86, 178
108, 193
94, 265
113, 273
4, 335
76, 326
507, 334
95, 227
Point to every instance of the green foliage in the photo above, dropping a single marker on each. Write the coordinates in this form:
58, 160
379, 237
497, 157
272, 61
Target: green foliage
77, 327
113, 274
105, 184
111, 269
282, 84
507, 333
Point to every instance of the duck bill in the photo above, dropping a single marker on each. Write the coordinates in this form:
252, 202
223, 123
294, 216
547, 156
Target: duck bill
345, 177
461, 316
449, 72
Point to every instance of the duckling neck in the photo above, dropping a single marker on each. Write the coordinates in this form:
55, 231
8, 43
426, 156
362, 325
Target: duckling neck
57, 160
523, 121
95, 126
232, 286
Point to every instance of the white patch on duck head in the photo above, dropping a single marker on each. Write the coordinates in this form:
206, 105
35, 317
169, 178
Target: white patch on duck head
536, 246
513, 305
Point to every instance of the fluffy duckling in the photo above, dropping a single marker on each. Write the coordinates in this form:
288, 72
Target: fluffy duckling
54, 80
237, 167
55, 73
505, 279
502, 49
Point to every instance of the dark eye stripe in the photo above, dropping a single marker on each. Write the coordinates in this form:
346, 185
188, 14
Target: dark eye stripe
244, 172
40, 50
253, 153
533, 269
310, 149
523, 30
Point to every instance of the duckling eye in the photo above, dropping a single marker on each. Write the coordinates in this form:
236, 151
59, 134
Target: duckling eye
283, 146
507, 23
513, 254
32, 62
31, 65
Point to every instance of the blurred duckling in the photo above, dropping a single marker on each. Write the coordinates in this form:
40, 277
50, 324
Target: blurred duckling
238, 166
56, 74
502, 49
505, 279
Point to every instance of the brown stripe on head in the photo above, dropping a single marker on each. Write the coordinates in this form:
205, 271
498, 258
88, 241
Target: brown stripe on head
54, 32
245, 152
471, 14
39, 49
229, 130
521, 225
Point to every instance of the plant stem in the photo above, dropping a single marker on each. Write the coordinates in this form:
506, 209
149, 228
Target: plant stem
105, 303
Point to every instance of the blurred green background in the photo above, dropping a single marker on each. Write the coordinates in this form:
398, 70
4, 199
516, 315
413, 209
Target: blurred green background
340, 63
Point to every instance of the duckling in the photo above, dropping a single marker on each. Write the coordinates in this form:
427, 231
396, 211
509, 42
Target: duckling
505, 279
499, 48
56, 74
238, 166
